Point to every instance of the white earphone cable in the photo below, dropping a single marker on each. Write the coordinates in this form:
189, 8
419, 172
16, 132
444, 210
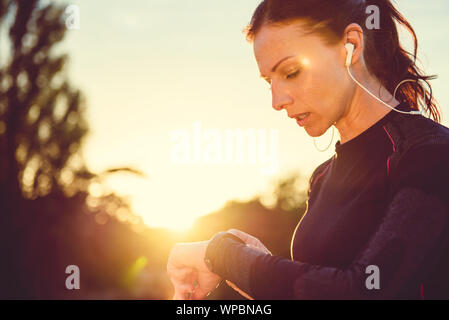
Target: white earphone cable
394, 95
350, 49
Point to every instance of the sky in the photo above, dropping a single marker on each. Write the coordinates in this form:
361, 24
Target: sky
161, 77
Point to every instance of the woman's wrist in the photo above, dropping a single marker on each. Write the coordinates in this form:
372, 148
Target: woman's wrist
232, 259
212, 250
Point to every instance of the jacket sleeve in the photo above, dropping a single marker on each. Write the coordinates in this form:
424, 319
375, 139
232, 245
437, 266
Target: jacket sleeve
408, 242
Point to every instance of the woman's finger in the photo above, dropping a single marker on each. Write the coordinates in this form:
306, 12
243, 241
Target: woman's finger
260, 248
181, 296
184, 283
242, 235
183, 291
199, 294
247, 238
250, 240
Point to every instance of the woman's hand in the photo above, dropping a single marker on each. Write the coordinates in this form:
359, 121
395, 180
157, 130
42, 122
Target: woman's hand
186, 268
252, 242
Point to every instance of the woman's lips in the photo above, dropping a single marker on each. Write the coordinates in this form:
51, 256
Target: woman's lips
302, 122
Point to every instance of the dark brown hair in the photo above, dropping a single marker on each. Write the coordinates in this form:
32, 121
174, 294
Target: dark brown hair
385, 57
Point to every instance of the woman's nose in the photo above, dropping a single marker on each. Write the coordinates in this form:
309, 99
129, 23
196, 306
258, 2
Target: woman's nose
280, 99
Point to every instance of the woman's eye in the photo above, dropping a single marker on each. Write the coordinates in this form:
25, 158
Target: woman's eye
292, 75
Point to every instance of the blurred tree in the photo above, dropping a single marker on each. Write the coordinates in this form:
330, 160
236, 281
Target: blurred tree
42, 124
41, 115
288, 193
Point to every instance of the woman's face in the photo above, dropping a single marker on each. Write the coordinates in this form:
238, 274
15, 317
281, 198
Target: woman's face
306, 75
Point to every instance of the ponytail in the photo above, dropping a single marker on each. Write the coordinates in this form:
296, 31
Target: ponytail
392, 64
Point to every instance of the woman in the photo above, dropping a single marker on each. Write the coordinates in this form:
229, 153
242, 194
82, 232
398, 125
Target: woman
376, 225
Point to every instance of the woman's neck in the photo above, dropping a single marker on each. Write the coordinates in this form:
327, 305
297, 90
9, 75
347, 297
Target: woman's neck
363, 111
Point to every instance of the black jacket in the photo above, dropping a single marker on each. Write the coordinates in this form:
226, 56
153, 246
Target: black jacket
382, 200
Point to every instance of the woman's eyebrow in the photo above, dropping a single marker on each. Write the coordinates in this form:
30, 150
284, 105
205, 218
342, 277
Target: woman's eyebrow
277, 65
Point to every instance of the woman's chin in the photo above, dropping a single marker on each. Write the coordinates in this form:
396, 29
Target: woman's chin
314, 132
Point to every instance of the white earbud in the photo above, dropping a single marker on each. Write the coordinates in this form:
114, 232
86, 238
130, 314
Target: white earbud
350, 51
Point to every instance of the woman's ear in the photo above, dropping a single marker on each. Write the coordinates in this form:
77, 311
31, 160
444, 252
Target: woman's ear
354, 35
